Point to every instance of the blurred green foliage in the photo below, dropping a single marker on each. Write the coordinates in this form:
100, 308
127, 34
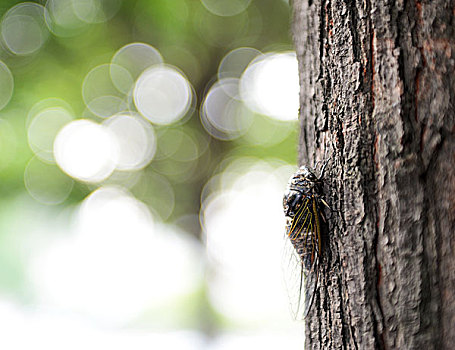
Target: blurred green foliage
189, 37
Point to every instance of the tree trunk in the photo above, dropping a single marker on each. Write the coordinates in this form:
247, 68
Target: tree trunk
378, 97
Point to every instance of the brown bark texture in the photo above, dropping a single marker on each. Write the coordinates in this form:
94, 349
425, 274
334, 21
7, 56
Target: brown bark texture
378, 98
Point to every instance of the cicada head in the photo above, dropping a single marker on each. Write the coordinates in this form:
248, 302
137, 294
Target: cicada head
292, 202
307, 173
305, 182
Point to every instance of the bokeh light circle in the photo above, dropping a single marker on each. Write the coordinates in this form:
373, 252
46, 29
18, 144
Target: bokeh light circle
6, 85
125, 179
46, 182
222, 114
162, 94
85, 150
135, 58
169, 141
105, 106
101, 95
226, 7
135, 139
23, 28
95, 11
222, 31
270, 86
61, 19
43, 129
243, 288
157, 192
129, 263
236, 61
47, 103
179, 145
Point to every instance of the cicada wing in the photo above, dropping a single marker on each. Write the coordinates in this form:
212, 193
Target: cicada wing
293, 272
303, 245
311, 259
310, 285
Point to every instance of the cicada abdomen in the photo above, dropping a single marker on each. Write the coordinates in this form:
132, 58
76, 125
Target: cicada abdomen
302, 204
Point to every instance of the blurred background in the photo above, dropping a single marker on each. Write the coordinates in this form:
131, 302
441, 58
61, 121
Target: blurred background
144, 150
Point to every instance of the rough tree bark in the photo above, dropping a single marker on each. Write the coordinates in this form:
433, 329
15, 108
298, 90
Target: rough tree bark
378, 97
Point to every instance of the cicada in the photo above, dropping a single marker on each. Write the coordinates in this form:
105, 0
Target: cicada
303, 203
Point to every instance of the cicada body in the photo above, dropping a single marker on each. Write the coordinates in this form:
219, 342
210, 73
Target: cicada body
302, 204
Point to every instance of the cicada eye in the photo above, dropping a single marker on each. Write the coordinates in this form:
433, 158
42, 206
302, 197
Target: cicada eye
311, 177
292, 203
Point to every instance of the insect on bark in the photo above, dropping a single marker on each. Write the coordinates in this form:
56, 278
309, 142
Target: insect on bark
305, 222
